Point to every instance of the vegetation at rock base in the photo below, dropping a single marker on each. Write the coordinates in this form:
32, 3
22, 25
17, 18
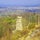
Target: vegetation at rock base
8, 24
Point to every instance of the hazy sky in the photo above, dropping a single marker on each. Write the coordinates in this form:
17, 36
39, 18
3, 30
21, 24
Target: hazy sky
19, 2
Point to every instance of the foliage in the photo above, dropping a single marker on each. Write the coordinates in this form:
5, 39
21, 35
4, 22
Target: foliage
2, 30
6, 25
31, 26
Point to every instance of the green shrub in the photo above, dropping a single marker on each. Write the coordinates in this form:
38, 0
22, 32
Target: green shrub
31, 26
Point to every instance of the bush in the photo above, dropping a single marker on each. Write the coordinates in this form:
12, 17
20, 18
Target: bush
31, 26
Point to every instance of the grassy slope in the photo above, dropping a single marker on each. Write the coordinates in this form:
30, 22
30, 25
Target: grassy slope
7, 22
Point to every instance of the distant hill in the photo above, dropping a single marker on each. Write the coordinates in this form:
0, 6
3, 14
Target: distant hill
12, 10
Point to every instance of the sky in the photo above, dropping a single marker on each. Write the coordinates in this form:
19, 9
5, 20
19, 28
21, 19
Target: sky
20, 2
